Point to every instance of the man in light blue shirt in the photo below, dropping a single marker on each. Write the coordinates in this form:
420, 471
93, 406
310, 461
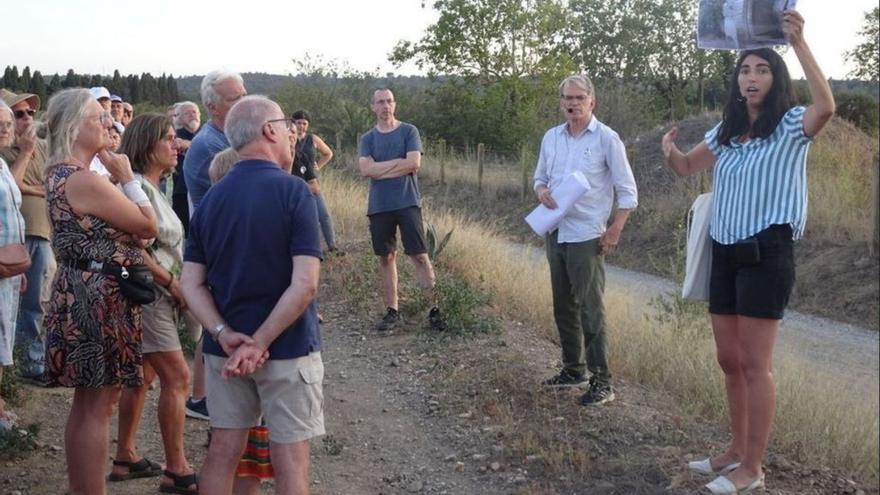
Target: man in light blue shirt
219, 90
576, 249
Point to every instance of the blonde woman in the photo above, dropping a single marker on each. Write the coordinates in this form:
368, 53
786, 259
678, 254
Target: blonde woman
93, 333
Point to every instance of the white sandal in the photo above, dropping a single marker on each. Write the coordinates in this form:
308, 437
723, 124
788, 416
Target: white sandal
705, 467
723, 485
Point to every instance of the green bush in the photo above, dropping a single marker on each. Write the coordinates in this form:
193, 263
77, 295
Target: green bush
860, 109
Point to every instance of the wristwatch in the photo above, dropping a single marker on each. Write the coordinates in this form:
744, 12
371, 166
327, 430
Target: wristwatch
215, 334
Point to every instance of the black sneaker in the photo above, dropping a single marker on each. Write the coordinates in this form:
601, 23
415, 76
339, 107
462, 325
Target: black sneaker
565, 379
197, 409
599, 393
389, 321
436, 320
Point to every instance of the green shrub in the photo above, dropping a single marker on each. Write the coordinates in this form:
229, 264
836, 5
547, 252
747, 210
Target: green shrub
860, 109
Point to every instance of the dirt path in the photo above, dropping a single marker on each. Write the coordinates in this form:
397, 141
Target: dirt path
414, 412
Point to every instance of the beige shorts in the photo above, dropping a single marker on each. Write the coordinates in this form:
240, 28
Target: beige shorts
288, 393
160, 325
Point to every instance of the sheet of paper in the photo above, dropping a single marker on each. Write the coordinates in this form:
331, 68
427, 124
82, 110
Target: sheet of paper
543, 219
741, 24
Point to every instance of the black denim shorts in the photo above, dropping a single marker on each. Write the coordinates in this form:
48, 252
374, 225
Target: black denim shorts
758, 290
383, 231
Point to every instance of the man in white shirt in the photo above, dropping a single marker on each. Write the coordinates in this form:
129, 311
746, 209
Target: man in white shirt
576, 249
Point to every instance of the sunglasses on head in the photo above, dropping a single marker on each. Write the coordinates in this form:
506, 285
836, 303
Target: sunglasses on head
19, 114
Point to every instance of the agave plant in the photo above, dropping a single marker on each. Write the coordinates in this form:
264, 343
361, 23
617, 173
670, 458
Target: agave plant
435, 248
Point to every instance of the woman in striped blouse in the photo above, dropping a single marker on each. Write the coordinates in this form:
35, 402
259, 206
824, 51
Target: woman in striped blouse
759, 153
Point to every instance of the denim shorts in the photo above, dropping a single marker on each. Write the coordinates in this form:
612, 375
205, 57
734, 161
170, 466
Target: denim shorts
757, 290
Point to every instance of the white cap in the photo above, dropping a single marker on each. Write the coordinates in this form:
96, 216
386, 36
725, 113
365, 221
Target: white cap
99, 92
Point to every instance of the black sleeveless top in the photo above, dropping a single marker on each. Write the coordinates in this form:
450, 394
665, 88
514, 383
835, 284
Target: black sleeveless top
304, 160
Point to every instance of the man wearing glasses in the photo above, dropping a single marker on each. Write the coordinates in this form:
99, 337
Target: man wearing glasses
220, 90
27, 159
254, 292
576, 249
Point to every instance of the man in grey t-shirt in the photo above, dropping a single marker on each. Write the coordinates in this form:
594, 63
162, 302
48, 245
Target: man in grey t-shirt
390, 154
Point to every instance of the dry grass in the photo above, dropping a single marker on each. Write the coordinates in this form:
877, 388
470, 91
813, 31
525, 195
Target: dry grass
840, 168
817, 420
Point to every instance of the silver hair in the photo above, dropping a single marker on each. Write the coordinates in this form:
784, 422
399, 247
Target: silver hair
209, 94
4, 106
177, 108
581, 81
246, 119
64, 114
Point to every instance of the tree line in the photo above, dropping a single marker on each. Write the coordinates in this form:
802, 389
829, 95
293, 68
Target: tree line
133, 88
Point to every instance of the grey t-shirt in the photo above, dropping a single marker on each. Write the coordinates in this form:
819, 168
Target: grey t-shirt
399, 192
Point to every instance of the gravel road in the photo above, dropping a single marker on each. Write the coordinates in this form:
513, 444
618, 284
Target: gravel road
835, 350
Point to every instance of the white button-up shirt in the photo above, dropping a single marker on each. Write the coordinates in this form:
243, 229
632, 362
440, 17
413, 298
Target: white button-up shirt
598, 153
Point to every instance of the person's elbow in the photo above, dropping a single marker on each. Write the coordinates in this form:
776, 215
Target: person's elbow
826, 111
309, 288
149, 230
364, 168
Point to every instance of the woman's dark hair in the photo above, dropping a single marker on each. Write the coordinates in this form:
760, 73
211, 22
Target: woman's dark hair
778, 100
141, 136
301, 115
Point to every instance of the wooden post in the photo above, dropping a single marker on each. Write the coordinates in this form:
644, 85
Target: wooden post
524, 164
441, 153
480, 151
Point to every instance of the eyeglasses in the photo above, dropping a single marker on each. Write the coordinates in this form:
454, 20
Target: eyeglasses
577, 98
19, 114
287, 123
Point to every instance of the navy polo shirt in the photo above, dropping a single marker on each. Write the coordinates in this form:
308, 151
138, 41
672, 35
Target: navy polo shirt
246, 231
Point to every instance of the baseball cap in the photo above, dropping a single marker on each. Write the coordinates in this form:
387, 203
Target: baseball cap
116, 98
99, 92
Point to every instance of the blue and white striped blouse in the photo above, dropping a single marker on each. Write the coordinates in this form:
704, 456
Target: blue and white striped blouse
761, 182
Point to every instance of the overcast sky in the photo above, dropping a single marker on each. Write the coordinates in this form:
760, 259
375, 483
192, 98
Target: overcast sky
192, 37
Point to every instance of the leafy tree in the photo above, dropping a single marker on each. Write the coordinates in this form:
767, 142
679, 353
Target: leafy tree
866, 55
71, 80
509, 54
24, 82
38, 86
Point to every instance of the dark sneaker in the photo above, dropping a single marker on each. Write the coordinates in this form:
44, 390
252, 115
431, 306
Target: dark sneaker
389, 321
599, 393
565, 379
436, 320
197, 409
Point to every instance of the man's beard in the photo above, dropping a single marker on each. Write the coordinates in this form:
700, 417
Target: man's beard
192, 125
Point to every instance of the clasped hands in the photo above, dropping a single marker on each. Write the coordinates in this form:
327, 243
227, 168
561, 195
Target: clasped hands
245, 354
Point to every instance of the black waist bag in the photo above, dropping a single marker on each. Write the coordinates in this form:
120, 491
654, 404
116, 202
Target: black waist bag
135, 282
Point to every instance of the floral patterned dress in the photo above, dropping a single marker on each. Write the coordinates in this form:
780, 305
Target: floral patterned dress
93, 334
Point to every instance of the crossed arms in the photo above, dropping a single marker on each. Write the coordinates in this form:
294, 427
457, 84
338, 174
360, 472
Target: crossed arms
390, 169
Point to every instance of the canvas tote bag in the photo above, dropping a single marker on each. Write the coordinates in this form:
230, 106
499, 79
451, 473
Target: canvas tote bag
698, 264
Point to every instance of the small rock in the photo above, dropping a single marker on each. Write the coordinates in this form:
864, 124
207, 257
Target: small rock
459, 466
466, 415
449, 458
532, 458
394, 363
479, 457
495, 466
415, 486
55, 448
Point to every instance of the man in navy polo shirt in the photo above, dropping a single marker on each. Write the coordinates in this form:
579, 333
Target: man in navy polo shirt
250, 276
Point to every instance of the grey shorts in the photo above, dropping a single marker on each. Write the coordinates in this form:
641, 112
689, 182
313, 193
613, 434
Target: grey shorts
287, 393
160, 325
